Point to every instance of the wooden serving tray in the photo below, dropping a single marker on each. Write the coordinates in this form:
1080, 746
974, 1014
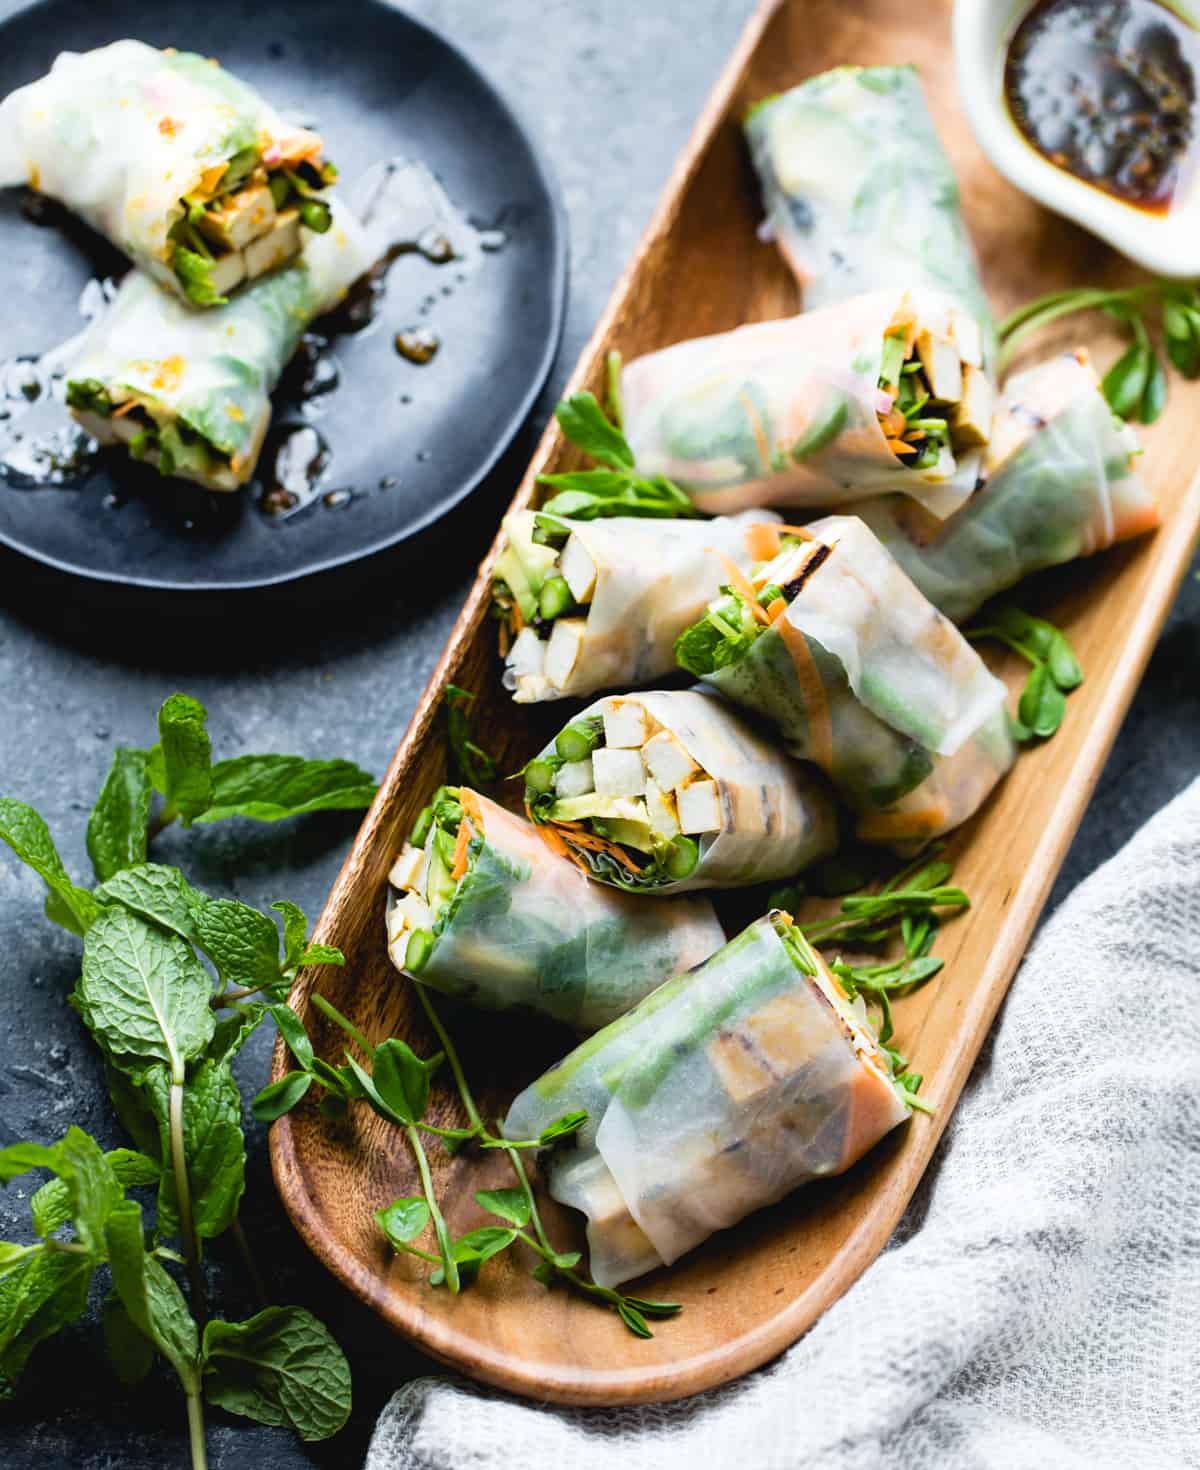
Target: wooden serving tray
751, 1291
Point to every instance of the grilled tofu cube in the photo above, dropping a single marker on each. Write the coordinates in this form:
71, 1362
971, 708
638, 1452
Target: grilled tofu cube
562, 651
971, 420
406, 867
409, 912
660, 809
667, 761
618, 772
699, 807
578, 569
274, 248
228, 273
767, 1045
626, 724
527, 654
532, 688
967, 337
943, 366
575, 778
243, 217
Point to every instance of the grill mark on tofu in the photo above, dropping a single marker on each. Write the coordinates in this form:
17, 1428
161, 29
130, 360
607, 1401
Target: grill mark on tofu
820, 555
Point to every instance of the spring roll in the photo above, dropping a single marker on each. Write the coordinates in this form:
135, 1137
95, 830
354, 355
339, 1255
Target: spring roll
1060, 484
859, 192
671, 790
879, 394
178, 163
189, 391
722, 1092
587, 605
860, 674
484, 910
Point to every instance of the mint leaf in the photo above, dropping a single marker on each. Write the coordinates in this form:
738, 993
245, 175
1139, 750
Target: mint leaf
291, 1028
401, 1079
268, 788
154, 1302
180, 764
233, 1031
51, 1206
156, 892
568, 1125
403, 1220
509, 1204
240, 941
214, 1147
36, 1301
281, 1097
116, 832
129, 1350
145, 994
296, 949
13, 1255
29, 837
93, 1190
280, 1367
132, 1107
19, 1158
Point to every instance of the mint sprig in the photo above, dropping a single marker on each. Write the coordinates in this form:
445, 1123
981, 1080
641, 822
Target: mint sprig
167, 986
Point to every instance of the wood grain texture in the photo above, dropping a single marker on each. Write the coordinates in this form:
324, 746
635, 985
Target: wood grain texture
753, 1290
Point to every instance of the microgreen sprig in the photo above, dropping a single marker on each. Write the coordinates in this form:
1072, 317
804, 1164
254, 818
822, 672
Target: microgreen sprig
614, 489
1136, 384
1053, 668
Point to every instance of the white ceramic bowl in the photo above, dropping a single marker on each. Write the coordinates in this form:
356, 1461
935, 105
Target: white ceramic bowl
1167, 244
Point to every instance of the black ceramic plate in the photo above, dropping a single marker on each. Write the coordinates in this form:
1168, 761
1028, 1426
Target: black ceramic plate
406, 443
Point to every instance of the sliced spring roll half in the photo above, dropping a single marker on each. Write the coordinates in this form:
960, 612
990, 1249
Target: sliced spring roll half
672, 790
722, 1092
189, 391
586, 605
859, 192
180, 164
1060, 484
884, 393
484, 910
859, 672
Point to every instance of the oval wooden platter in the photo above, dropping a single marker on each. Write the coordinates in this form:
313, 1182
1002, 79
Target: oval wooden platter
752, 1291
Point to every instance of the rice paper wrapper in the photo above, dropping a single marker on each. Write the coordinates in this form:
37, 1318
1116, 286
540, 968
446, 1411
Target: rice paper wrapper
215, 370
859, 192
720, 1094
653, 578
526, 930
1060, 484
904, 660
778, 816
956, 789
862, 675
120, 134
785, 413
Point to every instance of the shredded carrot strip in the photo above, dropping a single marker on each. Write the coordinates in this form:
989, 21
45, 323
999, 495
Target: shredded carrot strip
741, 583
812, 692
124, 408
517, 616
757, 428
802, 531
898, 446
461, 843
777, 609
470, 804
909, 823
896, 422
762, 541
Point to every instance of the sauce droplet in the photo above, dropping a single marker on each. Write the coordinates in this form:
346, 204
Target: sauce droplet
418, 344
299, 460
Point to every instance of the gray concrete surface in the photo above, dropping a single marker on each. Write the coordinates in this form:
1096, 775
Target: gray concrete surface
612, 90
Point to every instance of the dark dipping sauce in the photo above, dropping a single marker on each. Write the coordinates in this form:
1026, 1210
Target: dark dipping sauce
1106, 89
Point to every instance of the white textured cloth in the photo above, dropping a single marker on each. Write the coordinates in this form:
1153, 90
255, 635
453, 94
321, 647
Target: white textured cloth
1039, 1306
